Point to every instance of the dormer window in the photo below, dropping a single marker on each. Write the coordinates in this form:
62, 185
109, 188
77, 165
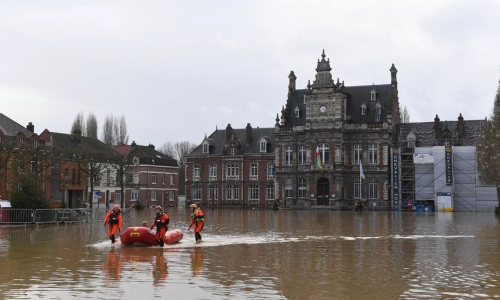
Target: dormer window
136, 160
35, 144
373, 95
263, 146
411, 138
264, 141
207, 142
297, 112
363, 109
232, 151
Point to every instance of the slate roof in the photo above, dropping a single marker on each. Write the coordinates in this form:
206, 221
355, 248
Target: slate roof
356, 96
424, 132
219, 141
67, 142
10, 127
148, 155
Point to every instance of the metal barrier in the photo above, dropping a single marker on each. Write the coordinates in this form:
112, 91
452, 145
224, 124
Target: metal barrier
16, 216
46, 216
50, 216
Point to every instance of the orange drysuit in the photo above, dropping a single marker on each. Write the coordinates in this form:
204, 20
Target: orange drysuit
198, 220
114, 220
161, 222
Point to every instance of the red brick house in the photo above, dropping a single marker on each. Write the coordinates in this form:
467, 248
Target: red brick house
155, 176
232, 167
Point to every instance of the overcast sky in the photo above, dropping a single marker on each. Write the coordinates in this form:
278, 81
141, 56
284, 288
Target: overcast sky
178, 69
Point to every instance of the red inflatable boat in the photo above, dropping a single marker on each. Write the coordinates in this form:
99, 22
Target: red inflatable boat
142, 236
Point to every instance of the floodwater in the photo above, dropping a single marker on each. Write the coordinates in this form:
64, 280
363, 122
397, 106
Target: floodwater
261, 254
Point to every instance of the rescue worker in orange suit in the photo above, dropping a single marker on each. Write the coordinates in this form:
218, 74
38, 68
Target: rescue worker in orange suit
114, 220
161, 222
198, 220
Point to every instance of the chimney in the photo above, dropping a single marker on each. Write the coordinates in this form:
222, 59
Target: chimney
291, 78
394, 80
151, 146
77, 135
229, 133
31, 127
437, 129
249, 133
133, 144
460, 126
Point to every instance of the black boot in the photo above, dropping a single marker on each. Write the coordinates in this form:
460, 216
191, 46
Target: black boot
161, 243
112, 238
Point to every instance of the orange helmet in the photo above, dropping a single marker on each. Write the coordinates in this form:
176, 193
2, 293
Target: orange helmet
157, 207
116, 208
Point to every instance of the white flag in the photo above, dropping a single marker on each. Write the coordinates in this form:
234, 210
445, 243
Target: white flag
361, 173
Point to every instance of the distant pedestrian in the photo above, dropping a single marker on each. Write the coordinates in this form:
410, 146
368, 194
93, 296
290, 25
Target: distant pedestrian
114, 221
198, 220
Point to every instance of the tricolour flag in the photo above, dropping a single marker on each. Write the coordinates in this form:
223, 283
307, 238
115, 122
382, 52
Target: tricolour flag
318, 155
361, 173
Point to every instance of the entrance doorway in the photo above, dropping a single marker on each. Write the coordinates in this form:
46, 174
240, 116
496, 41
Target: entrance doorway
323, 192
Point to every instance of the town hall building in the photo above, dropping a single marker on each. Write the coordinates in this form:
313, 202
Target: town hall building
333, 140
312, 157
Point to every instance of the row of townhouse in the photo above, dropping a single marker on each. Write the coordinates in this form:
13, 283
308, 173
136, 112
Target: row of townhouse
150, 179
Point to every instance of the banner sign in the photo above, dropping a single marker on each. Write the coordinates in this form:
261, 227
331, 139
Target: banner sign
448, 160
395, 179
423, 158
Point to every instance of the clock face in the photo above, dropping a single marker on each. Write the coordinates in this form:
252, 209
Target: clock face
322, 109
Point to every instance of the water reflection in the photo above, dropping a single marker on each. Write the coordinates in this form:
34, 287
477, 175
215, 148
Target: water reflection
112, 266
160, 271
261, 255
196, 261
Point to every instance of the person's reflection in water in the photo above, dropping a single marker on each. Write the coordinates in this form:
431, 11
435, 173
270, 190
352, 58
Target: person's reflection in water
197, 261
160, 270
112, 266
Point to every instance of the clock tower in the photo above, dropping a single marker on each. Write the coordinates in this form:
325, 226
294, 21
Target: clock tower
325, 100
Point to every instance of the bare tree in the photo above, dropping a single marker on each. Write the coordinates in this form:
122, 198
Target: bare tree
179, 152
487, 145
405, 118
122, 132
79, 123
114, 131
168, 149
91, 128
93, 165
124, 169
182, 149
108, 131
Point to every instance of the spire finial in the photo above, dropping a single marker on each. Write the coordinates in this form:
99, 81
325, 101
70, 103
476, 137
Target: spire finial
323, 55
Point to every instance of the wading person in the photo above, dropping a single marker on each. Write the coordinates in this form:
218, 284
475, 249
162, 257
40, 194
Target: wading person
198, 220
161, 222
114, 221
